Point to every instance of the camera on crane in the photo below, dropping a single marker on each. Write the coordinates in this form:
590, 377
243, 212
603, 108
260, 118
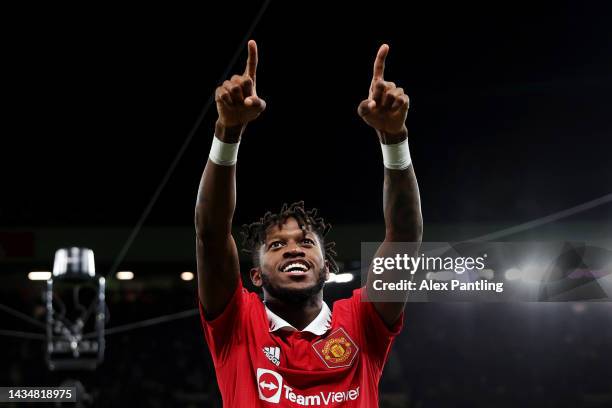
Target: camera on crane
76, 311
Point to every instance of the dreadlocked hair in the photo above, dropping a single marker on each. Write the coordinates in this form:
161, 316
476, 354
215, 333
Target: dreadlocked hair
253, 235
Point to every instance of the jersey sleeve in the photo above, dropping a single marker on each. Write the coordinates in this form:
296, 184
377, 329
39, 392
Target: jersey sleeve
377, 336
222, 332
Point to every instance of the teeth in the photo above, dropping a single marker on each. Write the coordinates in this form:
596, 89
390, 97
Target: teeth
300, 266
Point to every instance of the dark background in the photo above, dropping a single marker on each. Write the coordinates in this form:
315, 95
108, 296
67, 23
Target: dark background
509, 121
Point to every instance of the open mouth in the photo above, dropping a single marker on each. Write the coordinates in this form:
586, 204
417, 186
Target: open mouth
295, 267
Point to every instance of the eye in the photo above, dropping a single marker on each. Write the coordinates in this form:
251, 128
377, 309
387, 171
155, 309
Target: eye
275, 245
308, 241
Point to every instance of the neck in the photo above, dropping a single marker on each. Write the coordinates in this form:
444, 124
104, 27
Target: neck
297, 314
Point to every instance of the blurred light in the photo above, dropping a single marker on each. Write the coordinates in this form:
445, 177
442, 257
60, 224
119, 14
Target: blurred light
340, 277
487, 274
39, 275
579, 308
125, 275
513, 274
60, 262
74, 261
441, 275
534, 272
187, 276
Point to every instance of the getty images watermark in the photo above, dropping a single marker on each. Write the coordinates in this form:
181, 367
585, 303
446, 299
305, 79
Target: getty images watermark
486, 271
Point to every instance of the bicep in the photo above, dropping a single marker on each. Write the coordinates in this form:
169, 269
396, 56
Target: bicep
218, 273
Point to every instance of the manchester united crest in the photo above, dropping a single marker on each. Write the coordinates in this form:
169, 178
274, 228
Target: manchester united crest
337, 349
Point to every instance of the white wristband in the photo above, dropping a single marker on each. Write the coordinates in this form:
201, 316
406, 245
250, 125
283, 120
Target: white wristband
396, 156
223, 154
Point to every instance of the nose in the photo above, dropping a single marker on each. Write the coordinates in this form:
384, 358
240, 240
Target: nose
294, 252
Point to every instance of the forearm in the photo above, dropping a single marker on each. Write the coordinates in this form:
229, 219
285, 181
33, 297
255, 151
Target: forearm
401, 200
216, 199
403, 223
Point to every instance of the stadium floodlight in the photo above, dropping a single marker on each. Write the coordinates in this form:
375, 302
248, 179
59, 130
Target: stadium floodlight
187, 276
39, 275
125, 275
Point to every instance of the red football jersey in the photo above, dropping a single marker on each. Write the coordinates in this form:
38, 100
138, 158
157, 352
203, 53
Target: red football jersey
258, 365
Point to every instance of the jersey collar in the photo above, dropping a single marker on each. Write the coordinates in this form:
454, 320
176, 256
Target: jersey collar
318, 326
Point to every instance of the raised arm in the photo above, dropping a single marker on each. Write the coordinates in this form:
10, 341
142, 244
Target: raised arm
385, 110
217, 256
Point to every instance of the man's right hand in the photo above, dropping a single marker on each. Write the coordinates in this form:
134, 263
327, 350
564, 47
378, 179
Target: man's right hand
237, 100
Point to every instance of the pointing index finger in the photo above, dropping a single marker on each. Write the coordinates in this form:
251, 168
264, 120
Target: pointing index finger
379, 63
251, 65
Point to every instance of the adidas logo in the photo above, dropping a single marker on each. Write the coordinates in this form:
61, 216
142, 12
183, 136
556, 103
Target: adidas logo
273, 354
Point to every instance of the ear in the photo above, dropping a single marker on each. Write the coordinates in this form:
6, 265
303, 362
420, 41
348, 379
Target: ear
255, 274
326, 269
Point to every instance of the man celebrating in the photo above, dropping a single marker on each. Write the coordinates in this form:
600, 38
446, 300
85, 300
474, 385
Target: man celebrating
291, 350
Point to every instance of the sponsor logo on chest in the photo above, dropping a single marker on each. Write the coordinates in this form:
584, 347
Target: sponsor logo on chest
271, 389
269, 384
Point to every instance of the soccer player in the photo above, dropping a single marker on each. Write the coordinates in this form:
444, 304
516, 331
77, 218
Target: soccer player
291, 350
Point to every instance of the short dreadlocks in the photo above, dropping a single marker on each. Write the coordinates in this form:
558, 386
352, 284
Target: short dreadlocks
253, 235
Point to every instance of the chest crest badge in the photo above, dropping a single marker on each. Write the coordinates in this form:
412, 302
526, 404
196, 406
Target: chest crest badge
337, 350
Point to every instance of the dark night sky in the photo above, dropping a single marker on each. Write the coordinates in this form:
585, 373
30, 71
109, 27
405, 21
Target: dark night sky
510, 109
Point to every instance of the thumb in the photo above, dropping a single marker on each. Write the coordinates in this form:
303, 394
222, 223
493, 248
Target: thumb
255, 102
365, 107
